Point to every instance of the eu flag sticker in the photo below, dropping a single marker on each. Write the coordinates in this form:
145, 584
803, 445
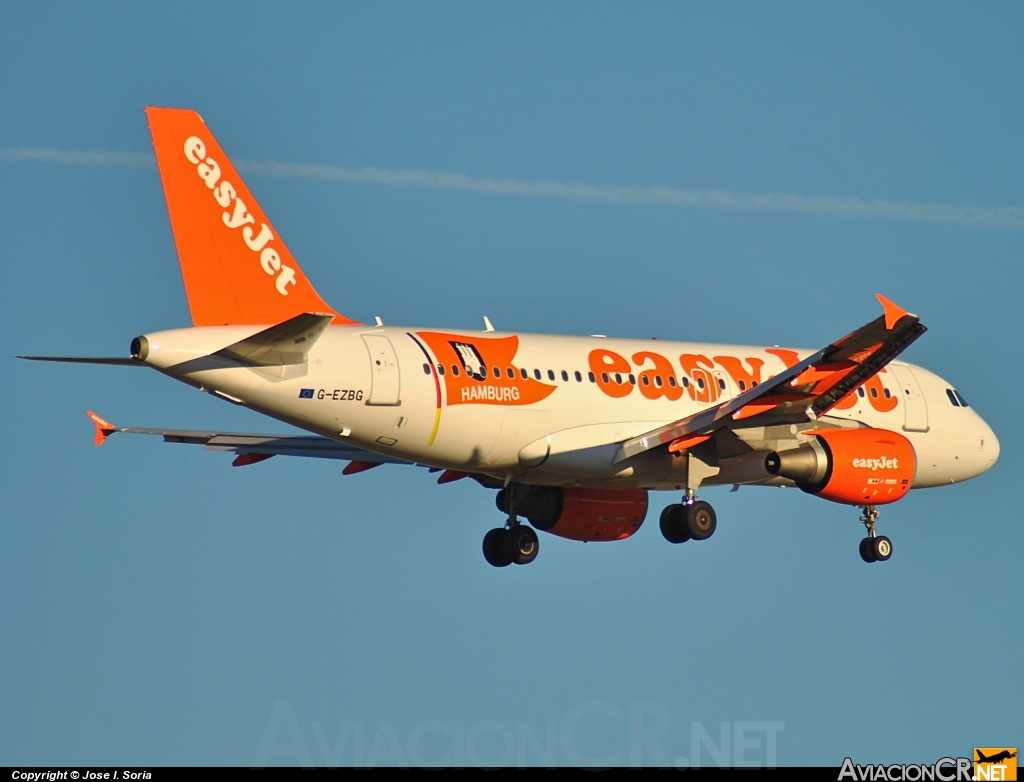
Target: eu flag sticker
306, 393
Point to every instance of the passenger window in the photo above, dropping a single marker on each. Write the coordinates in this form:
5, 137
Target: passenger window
753, 384
887, 393
497, 373
672, 382
440, 369
565, 376
579, 378
618, 379
426, 369
604, 377
721, 384
743, 385
551, 375
592, 379
525, 374
511, 373
644, 380
455, 370
952, 397
960, 397
860, 392
657, 381
536, 373
874, 393
700, 383
686, 382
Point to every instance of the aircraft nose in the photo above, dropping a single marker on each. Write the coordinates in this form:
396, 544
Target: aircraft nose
988, 446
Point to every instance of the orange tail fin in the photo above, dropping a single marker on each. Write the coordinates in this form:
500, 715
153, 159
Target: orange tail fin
236, 268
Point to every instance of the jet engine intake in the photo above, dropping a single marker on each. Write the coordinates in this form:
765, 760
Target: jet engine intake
851, 466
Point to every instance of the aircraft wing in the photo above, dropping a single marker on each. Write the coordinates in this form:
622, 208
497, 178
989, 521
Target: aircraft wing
253, 448
806, 390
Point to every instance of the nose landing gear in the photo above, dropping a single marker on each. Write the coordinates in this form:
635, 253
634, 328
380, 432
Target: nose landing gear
874, 548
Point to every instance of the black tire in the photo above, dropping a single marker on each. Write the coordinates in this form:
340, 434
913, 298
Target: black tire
881, 548
672, 526
521, 544
701, 520
494, 548
867, 550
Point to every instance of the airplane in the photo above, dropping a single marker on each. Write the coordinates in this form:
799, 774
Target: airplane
572, 431
999, 757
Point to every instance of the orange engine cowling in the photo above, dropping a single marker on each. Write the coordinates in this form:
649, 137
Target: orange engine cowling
852, 466
579, 514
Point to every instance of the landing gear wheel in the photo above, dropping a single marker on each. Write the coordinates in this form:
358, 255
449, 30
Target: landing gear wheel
867, 550
672, 524
701, 520
521, 544
881, 547
494, 548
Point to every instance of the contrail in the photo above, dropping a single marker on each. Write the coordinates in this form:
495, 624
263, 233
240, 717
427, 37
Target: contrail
37, 155
993, 216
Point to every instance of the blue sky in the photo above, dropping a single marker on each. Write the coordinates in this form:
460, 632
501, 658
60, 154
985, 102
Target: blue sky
161, 607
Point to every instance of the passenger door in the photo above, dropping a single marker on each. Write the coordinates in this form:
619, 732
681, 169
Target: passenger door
915, 405
386, 381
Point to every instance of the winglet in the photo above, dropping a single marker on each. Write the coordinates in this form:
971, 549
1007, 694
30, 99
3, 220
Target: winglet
103, 428
893, 312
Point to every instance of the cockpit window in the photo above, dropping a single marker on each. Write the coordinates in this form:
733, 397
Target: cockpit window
952, 397
959, 396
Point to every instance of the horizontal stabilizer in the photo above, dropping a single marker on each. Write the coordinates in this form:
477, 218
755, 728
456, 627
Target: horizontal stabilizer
114, 362
285, 344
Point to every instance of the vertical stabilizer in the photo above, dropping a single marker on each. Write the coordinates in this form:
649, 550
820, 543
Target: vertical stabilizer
235, 266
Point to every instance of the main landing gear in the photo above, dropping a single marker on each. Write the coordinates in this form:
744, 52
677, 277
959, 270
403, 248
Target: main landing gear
692, 520
514, 543
874, 548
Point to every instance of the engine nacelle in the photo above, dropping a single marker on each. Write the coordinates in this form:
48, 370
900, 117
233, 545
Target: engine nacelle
852, 466
579, 514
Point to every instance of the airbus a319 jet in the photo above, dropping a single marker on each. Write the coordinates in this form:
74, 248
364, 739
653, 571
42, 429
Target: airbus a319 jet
572, 432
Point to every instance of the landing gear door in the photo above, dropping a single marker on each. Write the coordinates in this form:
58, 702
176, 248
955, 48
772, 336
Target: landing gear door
386, 382
913, 400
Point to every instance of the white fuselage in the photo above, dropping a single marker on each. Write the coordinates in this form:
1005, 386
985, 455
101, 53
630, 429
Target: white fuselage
459, 400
